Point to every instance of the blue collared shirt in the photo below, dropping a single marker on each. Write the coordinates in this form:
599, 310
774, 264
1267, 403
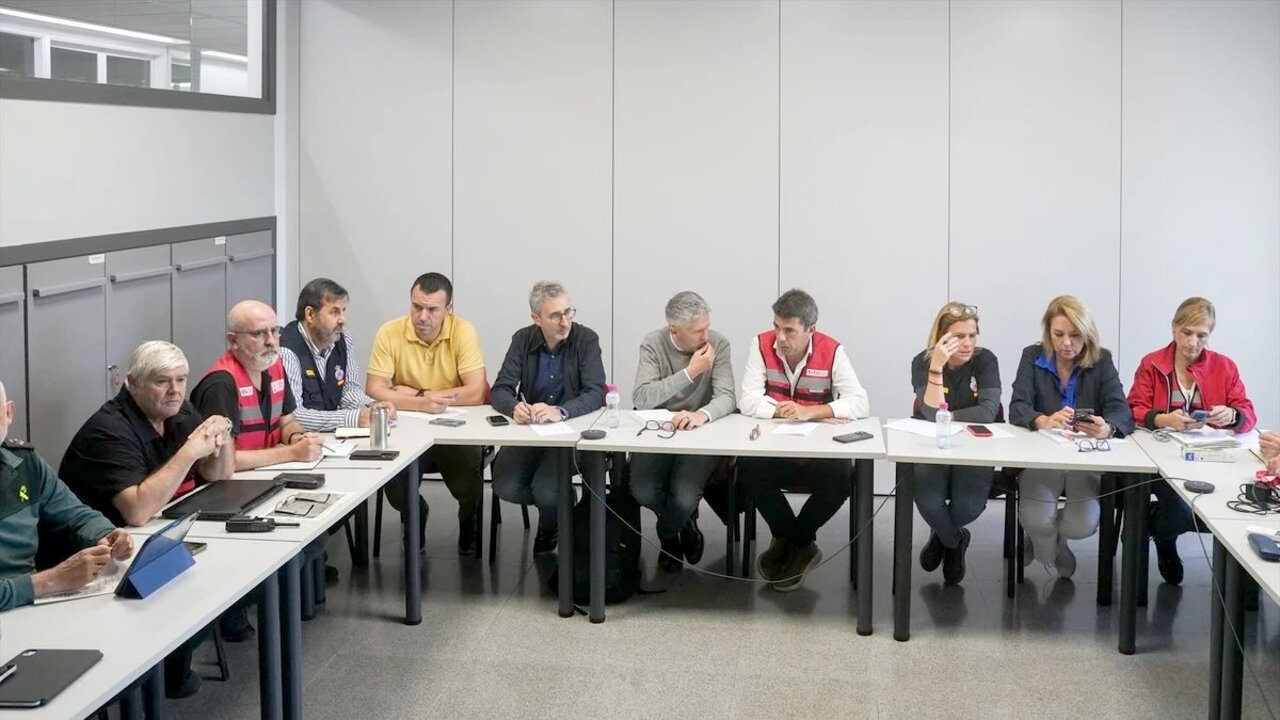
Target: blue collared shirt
548, 385
1069, 396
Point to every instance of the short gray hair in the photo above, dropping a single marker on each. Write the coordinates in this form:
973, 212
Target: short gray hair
686, 306
541, 292
155, 356
797, 304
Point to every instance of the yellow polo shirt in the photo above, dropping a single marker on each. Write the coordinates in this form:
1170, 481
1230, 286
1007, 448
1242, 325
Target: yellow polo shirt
401, 357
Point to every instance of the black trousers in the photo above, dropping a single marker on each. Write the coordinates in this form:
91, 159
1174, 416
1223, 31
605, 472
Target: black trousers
826, 481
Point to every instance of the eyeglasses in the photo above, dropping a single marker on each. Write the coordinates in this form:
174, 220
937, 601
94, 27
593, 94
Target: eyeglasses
668, 427
962, 310
1093, 446
262, 333
566, 314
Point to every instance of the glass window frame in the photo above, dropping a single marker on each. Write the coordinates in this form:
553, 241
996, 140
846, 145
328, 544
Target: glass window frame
24, 88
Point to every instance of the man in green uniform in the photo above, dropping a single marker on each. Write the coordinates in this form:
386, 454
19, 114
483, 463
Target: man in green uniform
31, 496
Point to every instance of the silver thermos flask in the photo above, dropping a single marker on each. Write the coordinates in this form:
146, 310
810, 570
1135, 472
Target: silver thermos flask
379, 428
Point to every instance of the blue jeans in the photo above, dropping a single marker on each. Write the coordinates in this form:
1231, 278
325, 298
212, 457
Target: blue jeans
528, 476
965, 487
671, 486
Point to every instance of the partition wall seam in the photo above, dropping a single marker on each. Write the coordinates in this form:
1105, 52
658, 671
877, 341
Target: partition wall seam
1120, 209
779, 283
453, 124
613, 187
949, 120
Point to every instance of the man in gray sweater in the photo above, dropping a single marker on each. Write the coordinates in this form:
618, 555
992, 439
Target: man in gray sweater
685, 368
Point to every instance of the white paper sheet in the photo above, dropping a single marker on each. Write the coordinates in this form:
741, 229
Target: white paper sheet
104, 584
296, 465
448, 413
795, 428
920, 427
660, 415
337, 448
351, 432
557, 428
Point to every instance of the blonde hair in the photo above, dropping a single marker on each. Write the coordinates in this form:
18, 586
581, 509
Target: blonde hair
950, 314
1193, 311
155, 356
1070, 307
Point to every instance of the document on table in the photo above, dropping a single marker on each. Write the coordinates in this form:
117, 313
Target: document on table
337, 449
795, 428
295, 465
920, 427
1070, 437
351, 432
659, 415
450, 412
1207, 438
556, 428
104, 584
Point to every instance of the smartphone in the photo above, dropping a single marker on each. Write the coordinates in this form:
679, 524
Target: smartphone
301, 481
195, 548
497, 420
1265, 547
979, 430
1200, 415
374, 454
853, 437
447, 422
1083, 415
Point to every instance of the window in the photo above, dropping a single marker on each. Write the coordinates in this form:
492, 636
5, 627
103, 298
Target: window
17, 55
219, 54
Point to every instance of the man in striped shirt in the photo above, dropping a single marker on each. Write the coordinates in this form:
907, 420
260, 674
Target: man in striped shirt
319, 360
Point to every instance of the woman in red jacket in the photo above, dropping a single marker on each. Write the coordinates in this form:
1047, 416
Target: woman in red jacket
1170, 386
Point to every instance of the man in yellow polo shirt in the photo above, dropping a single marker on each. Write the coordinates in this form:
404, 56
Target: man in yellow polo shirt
428, 361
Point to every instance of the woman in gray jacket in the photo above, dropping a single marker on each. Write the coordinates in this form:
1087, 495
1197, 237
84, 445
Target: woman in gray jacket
1066, 370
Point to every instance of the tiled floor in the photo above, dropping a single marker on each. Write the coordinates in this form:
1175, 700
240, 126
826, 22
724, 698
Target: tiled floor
491, 645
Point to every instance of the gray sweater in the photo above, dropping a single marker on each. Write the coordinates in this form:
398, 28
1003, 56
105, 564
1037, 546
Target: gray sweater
662, 383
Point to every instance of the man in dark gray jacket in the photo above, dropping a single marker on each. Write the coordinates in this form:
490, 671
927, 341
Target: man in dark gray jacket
552, 372
684, 368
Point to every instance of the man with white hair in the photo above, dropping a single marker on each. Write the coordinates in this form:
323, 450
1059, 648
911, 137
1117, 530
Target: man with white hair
146, 445
247, 385
552, 372
686, 368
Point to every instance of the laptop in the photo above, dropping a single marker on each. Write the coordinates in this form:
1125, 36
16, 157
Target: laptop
224, 499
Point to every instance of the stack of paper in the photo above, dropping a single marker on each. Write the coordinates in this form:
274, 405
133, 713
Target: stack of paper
920, 427
1206, 438
795, 428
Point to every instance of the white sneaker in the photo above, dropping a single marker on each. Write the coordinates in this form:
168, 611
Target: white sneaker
1065, 562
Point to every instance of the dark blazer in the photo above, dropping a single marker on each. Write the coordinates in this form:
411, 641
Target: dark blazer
1036, 393
583, 370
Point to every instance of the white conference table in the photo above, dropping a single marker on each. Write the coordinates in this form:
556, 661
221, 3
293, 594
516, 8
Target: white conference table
135, 636
1024, 449
730, 436
1232, 557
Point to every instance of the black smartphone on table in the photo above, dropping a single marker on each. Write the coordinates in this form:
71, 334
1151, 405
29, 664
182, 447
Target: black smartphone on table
853, 437
497, 420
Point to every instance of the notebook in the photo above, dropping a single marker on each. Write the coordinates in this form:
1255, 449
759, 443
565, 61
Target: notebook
34, 677
224, 499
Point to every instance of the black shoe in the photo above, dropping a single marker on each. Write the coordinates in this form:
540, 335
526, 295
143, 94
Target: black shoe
330, 575
800, 560
467, 538
692, 542
773, 560
1168, 561
235, 626
953, 560
670, 557
545, 542
931, 554
186, 687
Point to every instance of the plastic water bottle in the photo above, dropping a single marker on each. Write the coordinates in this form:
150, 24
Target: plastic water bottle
942, 426
611, 402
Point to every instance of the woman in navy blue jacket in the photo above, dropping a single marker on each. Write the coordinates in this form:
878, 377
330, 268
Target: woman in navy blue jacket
1066, 370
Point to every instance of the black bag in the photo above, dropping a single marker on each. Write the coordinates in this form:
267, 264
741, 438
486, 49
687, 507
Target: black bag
621, 549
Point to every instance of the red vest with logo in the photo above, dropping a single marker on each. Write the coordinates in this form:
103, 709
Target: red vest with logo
256, 432
814, 386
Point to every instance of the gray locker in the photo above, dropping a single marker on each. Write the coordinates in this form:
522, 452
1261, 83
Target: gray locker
200, 302
251, 269
139, 303
67, 349
13, 347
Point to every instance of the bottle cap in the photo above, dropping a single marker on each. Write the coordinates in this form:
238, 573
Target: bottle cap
610, 388
942, 405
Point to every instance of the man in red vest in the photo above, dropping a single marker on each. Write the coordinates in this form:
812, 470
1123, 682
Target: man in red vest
795, 373
248, 386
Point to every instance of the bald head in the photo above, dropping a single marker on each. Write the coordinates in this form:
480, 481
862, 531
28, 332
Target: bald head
253, 335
